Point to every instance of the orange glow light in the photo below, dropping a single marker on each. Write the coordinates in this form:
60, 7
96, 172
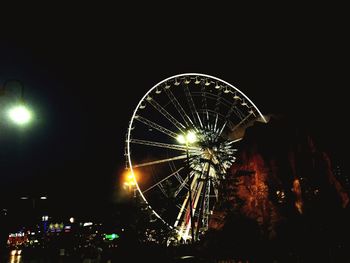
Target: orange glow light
129, 178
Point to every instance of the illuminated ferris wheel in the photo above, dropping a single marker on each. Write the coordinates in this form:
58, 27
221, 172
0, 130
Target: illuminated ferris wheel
181, 141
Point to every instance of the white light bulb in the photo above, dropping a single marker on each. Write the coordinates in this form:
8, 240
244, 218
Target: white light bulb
20, 115
191, 137
181, 139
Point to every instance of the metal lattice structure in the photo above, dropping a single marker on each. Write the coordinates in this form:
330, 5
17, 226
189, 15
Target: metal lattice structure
180, 182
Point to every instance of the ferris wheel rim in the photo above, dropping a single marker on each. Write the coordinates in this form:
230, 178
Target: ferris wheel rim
128, 140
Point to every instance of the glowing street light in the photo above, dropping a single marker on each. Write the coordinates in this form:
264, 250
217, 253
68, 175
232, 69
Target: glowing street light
20, 114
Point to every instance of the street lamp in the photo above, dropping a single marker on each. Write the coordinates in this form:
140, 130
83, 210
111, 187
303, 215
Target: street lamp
19, 113
187, 139
33, 199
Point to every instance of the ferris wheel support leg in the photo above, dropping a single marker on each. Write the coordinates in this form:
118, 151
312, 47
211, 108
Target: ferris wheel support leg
186, 214
196, 196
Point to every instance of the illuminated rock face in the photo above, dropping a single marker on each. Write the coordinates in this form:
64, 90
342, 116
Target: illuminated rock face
280, 174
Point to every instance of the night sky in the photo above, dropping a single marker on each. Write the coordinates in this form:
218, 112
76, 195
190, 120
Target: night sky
83, 78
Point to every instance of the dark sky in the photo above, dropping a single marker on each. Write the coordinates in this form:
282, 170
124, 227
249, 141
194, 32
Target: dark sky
84, 76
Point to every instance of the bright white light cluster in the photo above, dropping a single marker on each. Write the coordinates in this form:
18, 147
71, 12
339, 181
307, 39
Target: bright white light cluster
20, 115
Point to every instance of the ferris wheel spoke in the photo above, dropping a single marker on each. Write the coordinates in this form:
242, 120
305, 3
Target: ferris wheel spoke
165, 145
187, 223
204, 104
156, 126
184, 182
183, 209
222, 129
179, 108
177, 175
202, 206
181, 186
197, 185
232, 110
217, 106
161, 181
179, 178
218, 100
196, 195
166, 114
238, 113
234, 141
180, 157
216, 122
184, 217
241, 122
160, 186
192, 106
180, 215
186, 200
205, 209
212, 96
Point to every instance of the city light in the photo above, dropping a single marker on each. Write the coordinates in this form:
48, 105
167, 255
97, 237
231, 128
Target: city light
20, 115
111, 236
43, 197
181, 139
190, 137
129, 179
71, 220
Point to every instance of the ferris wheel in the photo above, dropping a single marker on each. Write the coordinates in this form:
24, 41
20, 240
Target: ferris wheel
181, 141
